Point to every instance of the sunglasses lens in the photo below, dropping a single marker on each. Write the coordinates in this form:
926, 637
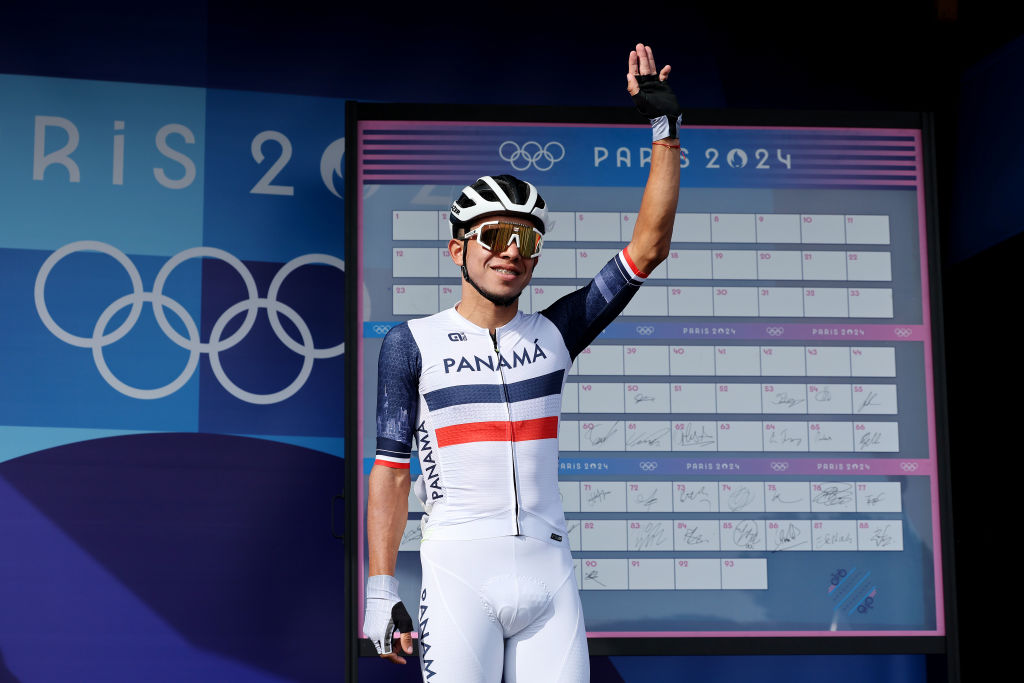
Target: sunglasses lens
498, 236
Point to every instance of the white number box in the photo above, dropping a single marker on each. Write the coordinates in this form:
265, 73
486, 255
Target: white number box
693, 398
876, 437
780, 302
828, 361
602, 436
817, 229
556, 263
830, 437
787, 496
449, 295
600, 359
867, 230
603, 534
695, 534
738, 398
824, 265
786, 399
745, 574
788, 534
601, 397
834, 534
780, 228
695, 496
694, 436
880, 534
651, 574
879, 496
698, 574
647, 398
598, 226
785, 436
825, 302
874, 399
741, 496
414, 300
412, 537
692, 360
779, 265
689, 264
783, 361
869, 266
691, 301
833, 496
829, 399
645, 360
414, 225
603, 496
570, 398
649, 535
734, 265
742, 534
413, 262
733, 227
590, 261
737, 361
870, 303
648, 301
649, 496
446, 266
604, 574
569, 491
568, 435
545, 295
873, 361
562, 227
572, 527
736, 302
692, 227
648, 436
739, 436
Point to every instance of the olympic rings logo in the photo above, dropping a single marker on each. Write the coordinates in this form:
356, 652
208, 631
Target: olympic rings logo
101, 337
908, 466
644, 330
779, 466
531, 154
381, 328
903, 332
775, 331
648, 466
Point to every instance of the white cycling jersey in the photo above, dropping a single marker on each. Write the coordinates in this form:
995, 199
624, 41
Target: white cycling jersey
484, 408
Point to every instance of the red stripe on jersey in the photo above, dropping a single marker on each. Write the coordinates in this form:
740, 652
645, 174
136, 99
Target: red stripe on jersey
524, 430
388, 463
629, 262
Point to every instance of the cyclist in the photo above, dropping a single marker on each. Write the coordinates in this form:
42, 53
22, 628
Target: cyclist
479, 388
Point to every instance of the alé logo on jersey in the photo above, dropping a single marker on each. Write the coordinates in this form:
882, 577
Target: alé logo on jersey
524, 356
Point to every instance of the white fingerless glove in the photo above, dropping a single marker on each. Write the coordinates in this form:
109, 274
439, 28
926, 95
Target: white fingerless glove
384, 612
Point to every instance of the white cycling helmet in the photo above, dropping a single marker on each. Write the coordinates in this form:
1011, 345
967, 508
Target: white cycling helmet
500, 194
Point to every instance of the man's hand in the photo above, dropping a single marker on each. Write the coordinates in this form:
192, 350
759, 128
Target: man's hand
651, 94
641, 63
385, 613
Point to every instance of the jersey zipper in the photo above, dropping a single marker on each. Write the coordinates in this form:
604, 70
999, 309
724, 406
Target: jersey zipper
511, 436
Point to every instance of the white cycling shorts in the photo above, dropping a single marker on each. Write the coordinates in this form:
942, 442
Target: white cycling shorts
500, 605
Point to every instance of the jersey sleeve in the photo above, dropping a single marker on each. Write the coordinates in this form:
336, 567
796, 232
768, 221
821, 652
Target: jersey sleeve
581, 315
398, 380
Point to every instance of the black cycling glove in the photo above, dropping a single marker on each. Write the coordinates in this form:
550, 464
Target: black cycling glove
658, 103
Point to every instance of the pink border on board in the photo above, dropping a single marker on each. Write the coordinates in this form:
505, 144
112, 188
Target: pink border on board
928, 359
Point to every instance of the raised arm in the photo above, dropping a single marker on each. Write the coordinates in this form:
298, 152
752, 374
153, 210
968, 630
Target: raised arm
652, 232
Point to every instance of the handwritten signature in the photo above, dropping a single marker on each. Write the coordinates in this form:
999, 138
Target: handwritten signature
837, 494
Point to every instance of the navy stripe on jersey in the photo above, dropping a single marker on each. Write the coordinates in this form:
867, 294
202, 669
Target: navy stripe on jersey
581, 315
398, 377
524, 390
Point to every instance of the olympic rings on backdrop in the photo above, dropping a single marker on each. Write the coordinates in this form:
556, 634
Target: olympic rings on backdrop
779, 466
645, 330
531, 154
903, 332
648, 465
908, 466
775, 331
193, 344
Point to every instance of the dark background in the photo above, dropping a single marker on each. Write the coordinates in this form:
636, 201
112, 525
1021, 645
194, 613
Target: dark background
962, 60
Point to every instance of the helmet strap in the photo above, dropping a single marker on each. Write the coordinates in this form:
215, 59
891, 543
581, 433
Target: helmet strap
502, 301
